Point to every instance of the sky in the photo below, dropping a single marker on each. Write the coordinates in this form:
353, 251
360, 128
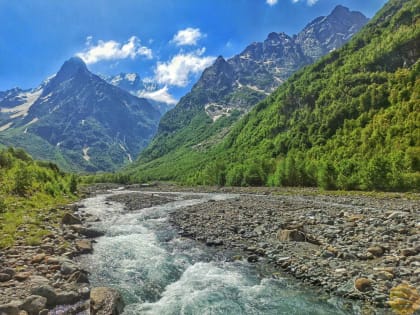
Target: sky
167, 42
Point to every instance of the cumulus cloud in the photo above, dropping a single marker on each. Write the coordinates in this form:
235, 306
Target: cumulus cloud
271, 2
187, 37
308, 2
113, 50
178, 70
161, 95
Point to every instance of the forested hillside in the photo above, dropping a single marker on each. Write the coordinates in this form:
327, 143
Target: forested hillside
27, 189
350, 121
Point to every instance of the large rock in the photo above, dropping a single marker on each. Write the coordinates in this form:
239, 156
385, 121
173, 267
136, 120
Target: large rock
9, 309
363, 284
291, 236
5, 277
46, 291
34, 304
66, 298
88, 232
70, 219
105, 301
84, 246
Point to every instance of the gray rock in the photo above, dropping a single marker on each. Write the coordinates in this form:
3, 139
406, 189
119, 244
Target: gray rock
5, 277
69, 219
34, 304
46, 291
9, 309
68, 268
105, 301
65, 298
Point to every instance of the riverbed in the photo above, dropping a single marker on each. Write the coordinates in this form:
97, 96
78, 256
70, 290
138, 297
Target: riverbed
159, 271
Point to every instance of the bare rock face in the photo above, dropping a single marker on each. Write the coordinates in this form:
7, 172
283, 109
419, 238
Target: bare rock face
105, 301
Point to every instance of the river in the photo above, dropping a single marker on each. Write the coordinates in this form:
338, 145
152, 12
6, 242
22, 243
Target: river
159, 272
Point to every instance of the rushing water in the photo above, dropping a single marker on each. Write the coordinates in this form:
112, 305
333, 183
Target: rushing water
160, 273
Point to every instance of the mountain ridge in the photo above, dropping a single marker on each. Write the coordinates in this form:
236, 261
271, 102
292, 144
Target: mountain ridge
90, 124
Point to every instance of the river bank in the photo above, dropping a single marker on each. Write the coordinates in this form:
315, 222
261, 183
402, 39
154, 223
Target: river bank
351, 245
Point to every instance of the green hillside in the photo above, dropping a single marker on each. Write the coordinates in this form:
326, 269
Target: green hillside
350, 121
27, 189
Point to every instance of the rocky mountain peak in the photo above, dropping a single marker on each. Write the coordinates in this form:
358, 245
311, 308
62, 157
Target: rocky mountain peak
71, 67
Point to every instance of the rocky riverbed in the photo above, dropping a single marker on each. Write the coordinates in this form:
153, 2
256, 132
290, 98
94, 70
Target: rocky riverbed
353, 246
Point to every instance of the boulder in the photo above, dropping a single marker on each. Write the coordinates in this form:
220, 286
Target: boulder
363, 284
84, 246
69, 219
105, 301
22, 276
5, 277
34, 304
67, 297
291, 236
377, 251
46, 291
9, 309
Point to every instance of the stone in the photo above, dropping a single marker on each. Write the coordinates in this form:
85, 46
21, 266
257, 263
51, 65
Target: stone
22, 276
79, 277
89, 232
43, 312
408, 252
384, 275
84, 246
9, 309
5, 277
68, 268
377, 251
363, 284
105, 301
69, 219
38, 258
34, 304
64, 298
291, 235
46, 291
252, 258
9, 271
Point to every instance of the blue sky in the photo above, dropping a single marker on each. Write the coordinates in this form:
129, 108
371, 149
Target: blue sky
167, 41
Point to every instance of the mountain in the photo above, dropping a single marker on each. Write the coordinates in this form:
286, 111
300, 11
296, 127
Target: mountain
77, 120
230, 88
133, 83
349, 121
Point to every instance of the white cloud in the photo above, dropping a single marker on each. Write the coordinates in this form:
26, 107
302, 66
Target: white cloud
272, 2
187, 37
161, 95
113, 50
178, 70
308, 2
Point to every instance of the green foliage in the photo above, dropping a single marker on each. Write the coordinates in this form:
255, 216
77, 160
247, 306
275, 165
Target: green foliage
350, 121
27, 189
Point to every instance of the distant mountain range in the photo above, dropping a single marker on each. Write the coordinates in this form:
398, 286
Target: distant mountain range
133, 83
78, 120
230, 88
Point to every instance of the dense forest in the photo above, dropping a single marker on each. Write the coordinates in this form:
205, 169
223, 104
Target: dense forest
350, 121
28, 188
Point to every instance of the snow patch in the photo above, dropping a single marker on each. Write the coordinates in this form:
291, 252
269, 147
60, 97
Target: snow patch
22, 110
86, 157
6, 126
32, 122
130, 77
126, 152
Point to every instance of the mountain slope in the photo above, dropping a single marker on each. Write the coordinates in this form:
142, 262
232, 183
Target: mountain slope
78, 120
229, 88
350, 121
